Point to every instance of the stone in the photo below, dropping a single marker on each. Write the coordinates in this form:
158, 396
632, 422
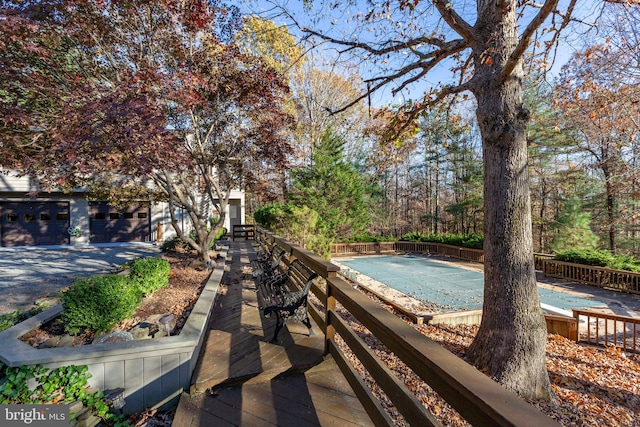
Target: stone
143, 330
113, 337
75, 407
156, 320
66, 341
51, 342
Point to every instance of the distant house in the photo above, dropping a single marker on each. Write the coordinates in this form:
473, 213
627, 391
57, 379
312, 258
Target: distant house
59, 218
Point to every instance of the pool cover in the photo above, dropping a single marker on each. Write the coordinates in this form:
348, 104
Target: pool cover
450, 287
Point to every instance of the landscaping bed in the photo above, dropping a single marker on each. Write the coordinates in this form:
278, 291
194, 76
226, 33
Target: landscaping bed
186, 280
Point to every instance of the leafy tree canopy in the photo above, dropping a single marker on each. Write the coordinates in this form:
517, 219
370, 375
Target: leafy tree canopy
138, 92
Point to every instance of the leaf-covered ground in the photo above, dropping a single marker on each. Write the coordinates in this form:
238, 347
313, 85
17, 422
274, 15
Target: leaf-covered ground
594, 386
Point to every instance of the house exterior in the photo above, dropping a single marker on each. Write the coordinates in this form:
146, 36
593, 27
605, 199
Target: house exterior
59, 218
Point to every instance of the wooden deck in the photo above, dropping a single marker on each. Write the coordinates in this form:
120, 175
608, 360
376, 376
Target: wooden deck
243, 380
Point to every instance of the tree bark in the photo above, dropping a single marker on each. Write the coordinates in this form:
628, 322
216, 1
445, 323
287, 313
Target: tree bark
510, 345
511, 342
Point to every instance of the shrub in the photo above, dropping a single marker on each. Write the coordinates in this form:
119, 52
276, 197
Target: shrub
471, 240
177, 243
98, 303
366, 237
599, 258
220, 234
595, 257
173, 244
150, 274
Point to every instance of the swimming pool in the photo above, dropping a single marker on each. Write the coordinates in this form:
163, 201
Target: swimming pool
452, 288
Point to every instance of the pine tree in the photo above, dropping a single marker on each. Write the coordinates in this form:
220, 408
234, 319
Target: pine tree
333, 188
573, 228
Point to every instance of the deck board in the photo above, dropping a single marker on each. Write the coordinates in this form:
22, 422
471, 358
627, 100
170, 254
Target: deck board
243, 380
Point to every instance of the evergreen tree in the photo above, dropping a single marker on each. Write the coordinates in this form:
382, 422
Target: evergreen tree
573, 228
333, 188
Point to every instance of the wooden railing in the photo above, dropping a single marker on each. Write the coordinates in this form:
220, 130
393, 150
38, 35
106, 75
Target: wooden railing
539, 259
368, 248
477, 398
610, 329
595, 276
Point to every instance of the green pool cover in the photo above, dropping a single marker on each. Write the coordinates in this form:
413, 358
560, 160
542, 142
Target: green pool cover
450, 287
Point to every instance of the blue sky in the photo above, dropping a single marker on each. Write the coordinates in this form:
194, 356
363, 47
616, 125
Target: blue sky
336, 22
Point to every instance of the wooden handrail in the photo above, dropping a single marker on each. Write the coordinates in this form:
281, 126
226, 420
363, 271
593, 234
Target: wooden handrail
602, 277
611, 335
477, 398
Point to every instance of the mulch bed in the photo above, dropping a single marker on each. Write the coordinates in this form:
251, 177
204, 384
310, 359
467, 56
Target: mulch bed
186, 281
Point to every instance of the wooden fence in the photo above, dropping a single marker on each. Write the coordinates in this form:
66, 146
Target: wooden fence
370, 248
610, 329
601, 277
607, 278
477, 398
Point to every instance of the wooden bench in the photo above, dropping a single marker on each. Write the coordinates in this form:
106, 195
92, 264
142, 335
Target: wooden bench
267, 262
285, 293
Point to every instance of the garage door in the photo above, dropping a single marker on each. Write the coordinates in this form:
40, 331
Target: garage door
34, 223
108, 224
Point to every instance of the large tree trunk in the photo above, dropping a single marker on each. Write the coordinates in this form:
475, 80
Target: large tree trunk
510, 344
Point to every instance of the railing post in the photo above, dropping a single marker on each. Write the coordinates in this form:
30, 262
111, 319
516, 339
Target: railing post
330, 306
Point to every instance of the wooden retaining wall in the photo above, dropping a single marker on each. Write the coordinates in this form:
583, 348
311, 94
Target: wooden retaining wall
152, 372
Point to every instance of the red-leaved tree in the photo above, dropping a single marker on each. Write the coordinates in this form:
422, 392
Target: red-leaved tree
131, 94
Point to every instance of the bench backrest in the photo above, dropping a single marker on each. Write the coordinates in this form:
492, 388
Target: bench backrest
301, 276
276, 256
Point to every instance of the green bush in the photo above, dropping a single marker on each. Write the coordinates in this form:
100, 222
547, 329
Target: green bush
176, 242
150, 274
98, 303
599, 258
270, 216
595, 257
173, 244
471, 240
220, 234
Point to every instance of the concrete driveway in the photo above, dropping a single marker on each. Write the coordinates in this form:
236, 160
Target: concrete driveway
35, 274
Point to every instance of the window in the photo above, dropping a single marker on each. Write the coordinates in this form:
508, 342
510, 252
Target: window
114, 215
62, 216
128, 215
142, 214
12, 217
99, 215
45, 216
29, 217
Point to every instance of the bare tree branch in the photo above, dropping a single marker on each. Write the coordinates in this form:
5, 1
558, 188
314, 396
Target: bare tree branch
525, 40
454, 20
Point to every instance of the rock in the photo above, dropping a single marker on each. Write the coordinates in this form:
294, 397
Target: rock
143, 330
119, 336
75, 407
51, 342
66, 341
87, 419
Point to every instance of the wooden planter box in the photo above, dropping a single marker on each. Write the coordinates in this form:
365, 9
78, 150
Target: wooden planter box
152, 372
